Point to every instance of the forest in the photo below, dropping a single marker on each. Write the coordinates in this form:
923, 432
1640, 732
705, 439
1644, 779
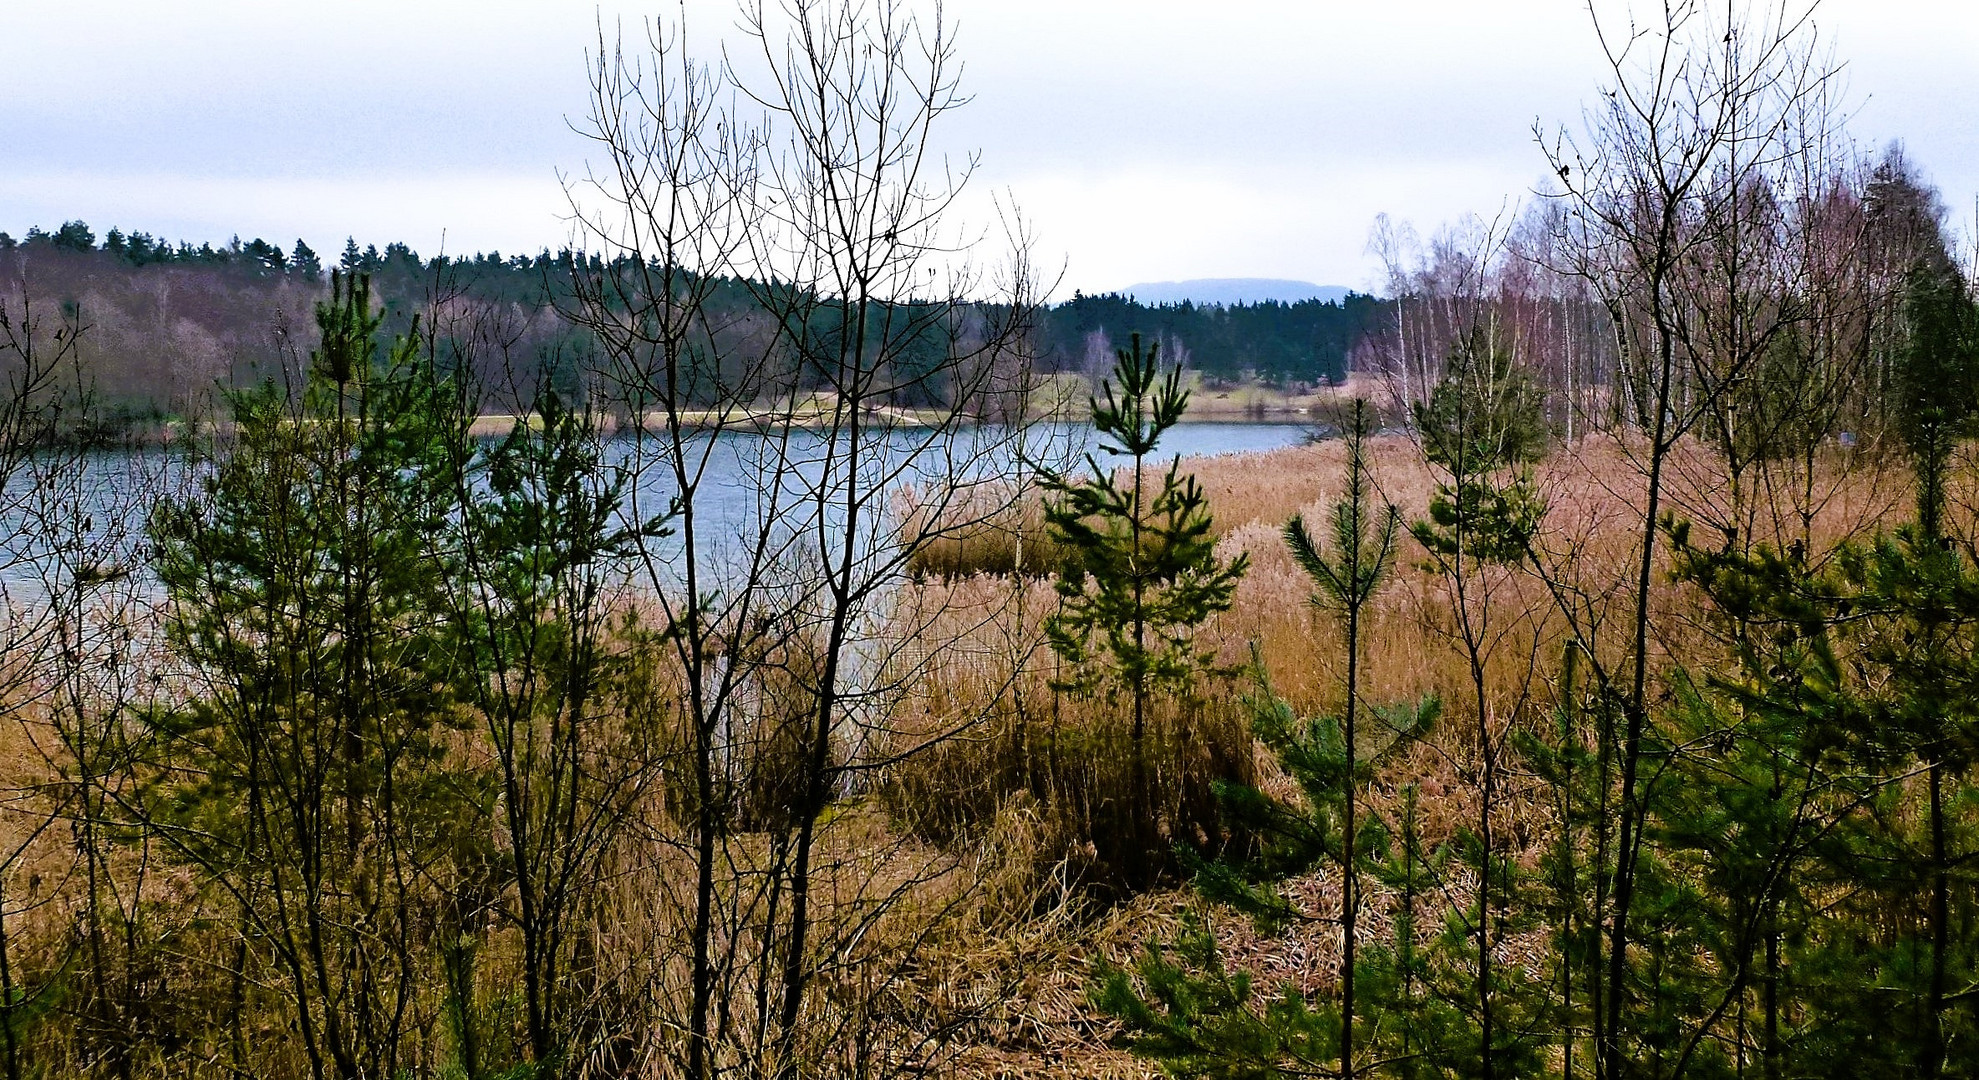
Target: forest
775, 693
171, 324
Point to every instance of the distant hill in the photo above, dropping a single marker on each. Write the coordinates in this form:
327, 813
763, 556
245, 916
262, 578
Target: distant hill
1227, 291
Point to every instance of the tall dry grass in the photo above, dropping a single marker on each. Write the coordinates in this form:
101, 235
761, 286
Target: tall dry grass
1043, 749
986, 751
993, 532
991, 787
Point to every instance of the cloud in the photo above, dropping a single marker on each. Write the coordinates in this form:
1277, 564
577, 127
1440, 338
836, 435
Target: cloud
1125, 225
465, 211
1148, 139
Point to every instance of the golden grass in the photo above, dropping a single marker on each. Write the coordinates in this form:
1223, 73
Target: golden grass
1413, 646
990, 532
987, 743
1008, 796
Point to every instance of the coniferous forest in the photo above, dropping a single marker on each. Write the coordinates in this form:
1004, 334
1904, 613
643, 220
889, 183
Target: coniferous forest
228, 314
702, 652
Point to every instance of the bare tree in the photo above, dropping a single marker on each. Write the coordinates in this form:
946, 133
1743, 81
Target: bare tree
69, 616
790, 322
1665, 187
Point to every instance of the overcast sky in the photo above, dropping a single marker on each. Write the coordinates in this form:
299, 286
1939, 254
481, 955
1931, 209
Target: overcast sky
1147, 140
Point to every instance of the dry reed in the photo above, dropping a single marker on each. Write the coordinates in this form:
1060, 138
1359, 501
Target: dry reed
980, 788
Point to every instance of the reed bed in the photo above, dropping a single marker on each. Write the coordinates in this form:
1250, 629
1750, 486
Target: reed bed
993, 531
996, 787
983, 742
978, 875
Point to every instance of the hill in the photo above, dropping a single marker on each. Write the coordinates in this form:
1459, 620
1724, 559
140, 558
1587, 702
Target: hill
1227, 291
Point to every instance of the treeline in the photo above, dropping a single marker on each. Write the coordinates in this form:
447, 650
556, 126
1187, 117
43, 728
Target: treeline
171, 322
168, 326
1306, 344
143, 249
1807, 355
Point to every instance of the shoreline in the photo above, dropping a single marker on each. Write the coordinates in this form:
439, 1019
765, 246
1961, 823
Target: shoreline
496, 425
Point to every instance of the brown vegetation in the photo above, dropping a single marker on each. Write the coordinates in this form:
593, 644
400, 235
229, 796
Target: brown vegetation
992, 788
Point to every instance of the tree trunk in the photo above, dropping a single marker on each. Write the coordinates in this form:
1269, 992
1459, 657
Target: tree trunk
1350, 879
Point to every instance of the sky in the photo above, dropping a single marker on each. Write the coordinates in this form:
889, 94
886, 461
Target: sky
1144, 140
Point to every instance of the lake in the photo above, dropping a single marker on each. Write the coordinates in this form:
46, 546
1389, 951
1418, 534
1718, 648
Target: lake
731, 500
105, 510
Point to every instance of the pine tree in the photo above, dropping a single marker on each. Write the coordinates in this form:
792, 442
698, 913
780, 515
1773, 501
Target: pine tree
1141, 572
75, 236
305, 581
1484, 417
1205, 1019
1937, 378
1345, 580
1819, 799
533, 612
1483, 424
306, 262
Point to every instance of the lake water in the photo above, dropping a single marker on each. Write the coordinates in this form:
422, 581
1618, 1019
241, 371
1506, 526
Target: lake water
105, 511
1196, 440
733, 500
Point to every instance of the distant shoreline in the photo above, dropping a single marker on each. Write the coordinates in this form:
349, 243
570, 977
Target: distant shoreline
1226, 404
496, 425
